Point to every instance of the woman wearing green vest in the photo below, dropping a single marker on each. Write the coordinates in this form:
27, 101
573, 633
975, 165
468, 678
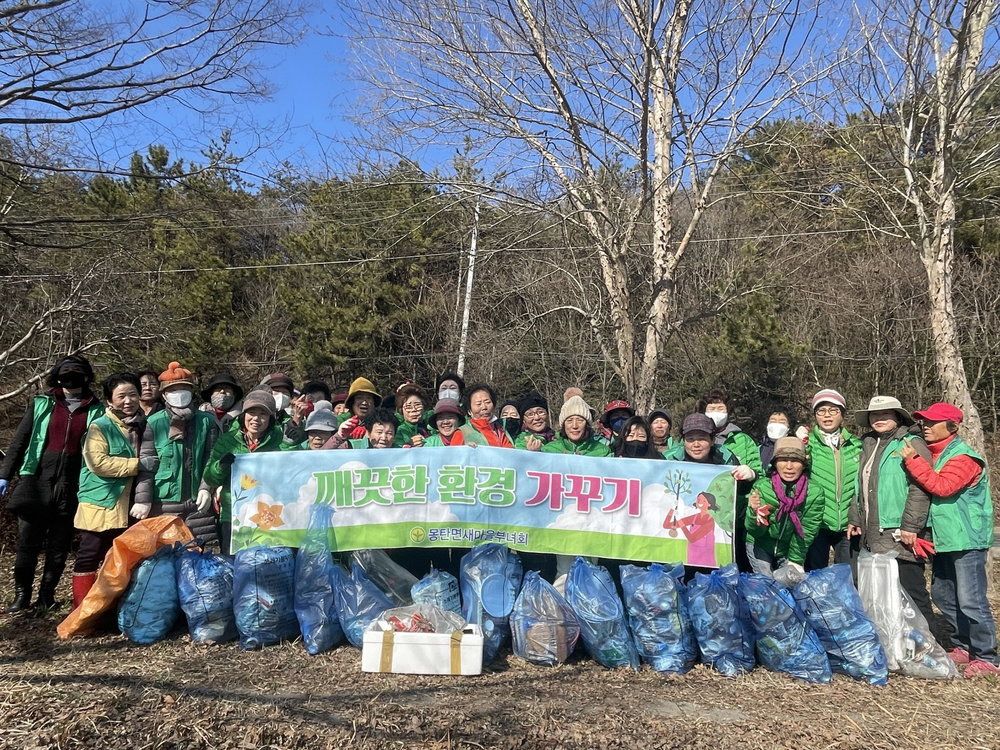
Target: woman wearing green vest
575, 433
46, 455
254, 432
962, 520
111, 463
890, 510
411, 427
180, 437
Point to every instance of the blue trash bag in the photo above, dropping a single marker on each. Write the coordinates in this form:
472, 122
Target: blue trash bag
833, 607
544, 627
490, 577
656, 602
359, 603
315, 589
263, 586
785, 640
205, 589
592, 595
150, 607
439, 589
721, 621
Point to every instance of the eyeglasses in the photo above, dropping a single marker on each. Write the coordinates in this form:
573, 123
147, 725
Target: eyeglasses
828, 411
413, 407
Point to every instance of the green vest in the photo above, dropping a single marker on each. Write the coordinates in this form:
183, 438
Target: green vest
893, 486
836, 471
963, 521
105, 491
745, 449
168, 480
359, 443
43, 407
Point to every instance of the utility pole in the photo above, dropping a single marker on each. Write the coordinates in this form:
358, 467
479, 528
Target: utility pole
467, 308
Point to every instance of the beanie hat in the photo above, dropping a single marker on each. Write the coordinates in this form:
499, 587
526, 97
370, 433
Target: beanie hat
530, 401
339, 398
259, 396
361, 385
175, 375
789, 447
222, 378
322, 418
446, 406
279, 380
570, 392
575, 406
829, 396
660, 413
698, 422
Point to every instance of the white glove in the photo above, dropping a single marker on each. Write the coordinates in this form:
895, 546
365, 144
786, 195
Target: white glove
140, 510
204, 501
744, 473
802, 433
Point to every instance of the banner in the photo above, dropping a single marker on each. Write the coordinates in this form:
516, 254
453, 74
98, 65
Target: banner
616, 508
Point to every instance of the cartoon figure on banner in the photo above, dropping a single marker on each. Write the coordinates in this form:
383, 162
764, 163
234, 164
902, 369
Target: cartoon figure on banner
699, 528
675, 484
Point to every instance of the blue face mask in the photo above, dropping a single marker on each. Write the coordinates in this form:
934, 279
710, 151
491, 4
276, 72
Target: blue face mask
617, 423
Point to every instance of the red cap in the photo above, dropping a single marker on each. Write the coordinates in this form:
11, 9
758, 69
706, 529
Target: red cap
940, 412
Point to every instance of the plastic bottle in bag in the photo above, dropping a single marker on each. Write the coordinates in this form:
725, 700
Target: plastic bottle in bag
205, 588
544, 627
490, 577
592, 595
721, 621
315, 592
831, 604
359, 603
263, 586
150, 607
393, 579
785, 640
439, 589
656, 602
909, 646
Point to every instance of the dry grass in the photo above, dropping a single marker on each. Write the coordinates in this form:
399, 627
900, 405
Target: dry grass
105, 692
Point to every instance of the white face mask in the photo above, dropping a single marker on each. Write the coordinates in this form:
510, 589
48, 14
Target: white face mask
719, 417
223, 400
449, 393
281, 401
179, 399
776, 430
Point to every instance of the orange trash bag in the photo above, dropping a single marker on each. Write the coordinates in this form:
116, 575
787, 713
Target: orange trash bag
133, 546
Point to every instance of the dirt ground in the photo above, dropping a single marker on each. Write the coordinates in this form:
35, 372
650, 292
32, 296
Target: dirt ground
104, 692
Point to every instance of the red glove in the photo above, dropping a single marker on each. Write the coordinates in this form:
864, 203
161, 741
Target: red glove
357, 433
348, 427
922, 548
762, 513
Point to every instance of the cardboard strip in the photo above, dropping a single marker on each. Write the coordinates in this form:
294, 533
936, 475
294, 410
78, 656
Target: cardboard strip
456, 652
385, 659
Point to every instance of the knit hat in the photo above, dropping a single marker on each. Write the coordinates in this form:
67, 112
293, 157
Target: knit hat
940, 412
222, 378
175, 376
279, 380
570, 392
829, 396
338, 398
575, 406
446, 406
322, 418
660, 413
697, 422
884, 403
789, 447
531, 401
615, 406
259, 396
361, 385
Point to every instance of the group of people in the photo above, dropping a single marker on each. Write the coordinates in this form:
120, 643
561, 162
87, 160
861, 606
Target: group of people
92, 463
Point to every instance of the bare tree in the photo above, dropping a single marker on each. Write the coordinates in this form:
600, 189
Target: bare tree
618, 116
926, 72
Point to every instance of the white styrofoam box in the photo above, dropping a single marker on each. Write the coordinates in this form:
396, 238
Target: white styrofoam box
459, 653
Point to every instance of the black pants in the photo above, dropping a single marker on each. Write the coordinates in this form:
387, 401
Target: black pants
914, 583
94, 546
38, 532
818, 555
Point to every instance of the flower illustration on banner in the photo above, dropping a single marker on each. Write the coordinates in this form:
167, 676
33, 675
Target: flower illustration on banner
267, 516
247, 482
